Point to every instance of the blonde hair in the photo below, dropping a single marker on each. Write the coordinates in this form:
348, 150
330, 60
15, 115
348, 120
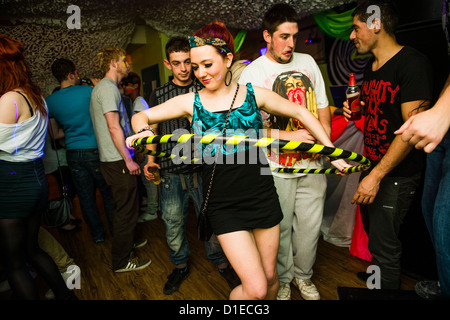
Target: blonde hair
237, 68
107, 54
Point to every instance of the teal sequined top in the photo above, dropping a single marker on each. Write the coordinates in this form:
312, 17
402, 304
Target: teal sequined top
244, 121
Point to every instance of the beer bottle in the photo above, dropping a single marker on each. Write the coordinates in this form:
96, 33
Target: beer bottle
155, 172
353, 93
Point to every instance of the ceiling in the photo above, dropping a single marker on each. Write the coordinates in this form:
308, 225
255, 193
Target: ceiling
172, 17
43, 26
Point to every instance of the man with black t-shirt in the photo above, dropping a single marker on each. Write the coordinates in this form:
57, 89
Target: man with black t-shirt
179, 182
397, 85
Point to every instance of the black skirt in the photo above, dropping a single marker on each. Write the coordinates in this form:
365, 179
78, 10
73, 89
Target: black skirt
23, 189
243, 196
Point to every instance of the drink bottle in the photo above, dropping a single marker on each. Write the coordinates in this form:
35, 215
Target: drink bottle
353, 93
155, 172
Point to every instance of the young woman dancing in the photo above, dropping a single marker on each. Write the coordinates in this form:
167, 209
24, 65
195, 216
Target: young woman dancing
243, 209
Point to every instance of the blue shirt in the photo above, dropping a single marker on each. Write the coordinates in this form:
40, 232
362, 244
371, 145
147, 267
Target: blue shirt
70, 108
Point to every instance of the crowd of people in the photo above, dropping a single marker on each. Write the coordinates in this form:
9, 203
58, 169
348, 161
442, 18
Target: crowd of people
270, 220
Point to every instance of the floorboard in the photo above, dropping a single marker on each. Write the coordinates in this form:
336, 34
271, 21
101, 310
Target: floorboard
334, 268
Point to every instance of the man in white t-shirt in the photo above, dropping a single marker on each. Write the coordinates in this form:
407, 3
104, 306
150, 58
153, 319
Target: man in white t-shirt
296, 77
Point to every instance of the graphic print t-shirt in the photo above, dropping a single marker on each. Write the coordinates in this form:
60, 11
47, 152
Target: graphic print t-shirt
299, 81
404, 78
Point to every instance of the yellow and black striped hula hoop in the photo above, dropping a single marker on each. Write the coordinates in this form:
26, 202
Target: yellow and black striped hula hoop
283, 145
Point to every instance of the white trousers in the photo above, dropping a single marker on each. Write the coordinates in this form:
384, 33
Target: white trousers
302, 201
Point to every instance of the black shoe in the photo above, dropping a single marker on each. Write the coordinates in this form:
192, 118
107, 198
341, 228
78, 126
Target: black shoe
139, 243
175, 279
230, 275
99, 240
76, 221
363, 276
428, 290
69, 228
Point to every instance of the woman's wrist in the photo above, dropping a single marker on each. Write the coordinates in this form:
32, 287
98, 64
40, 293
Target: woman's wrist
147, 128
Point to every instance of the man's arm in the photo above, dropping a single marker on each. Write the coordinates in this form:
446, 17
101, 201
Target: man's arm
397, 151
55, 130
304, 135
151, 163
427, 129
112, 119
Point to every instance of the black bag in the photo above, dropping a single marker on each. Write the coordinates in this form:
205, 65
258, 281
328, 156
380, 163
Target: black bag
204, 229
58, 212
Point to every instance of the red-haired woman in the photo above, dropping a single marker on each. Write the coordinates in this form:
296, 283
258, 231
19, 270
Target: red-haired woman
23, 185
243, 209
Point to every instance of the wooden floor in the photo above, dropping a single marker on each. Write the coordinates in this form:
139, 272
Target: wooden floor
334, 268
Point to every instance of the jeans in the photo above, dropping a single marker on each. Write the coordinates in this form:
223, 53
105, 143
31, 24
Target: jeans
382, 220
436, 208
174, 203
151, 190
84, 167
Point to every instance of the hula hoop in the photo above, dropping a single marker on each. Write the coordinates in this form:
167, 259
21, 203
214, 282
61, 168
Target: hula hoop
283, 145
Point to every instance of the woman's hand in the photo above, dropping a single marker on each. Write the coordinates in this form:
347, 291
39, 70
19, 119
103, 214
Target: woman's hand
340, 164
143, 134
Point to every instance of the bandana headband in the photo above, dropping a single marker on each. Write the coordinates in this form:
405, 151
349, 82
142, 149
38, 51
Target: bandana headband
216, 42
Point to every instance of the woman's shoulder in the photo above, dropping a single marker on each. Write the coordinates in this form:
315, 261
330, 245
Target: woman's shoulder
11, 98
10, 94
184, 101
189, 96
260, 90
11, 106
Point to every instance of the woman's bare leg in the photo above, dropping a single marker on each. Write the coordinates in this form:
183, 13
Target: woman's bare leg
253, 256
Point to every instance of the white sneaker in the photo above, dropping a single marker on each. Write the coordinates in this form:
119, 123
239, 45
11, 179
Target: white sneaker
308, 290
135, 263
284, 292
